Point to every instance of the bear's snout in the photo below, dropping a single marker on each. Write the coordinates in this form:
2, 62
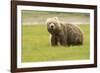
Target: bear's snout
52, 26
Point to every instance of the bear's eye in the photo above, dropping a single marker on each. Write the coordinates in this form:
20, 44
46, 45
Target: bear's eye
49, 23
54, 23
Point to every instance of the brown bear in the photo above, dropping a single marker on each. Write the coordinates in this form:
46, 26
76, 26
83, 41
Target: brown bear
64, 33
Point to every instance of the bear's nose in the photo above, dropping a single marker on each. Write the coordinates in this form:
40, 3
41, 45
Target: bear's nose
52, 26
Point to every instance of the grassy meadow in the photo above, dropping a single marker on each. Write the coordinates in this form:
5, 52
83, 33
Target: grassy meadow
36, 45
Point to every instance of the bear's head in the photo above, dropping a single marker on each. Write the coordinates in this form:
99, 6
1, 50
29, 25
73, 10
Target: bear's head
53, 25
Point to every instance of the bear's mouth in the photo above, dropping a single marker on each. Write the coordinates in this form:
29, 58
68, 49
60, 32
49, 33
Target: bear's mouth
51, 30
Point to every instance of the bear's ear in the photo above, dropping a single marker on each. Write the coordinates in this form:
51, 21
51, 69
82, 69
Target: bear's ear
56, 18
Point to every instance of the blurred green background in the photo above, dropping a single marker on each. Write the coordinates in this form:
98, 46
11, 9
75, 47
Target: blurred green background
39, 17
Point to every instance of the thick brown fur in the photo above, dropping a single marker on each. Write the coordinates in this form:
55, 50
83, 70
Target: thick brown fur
64, 33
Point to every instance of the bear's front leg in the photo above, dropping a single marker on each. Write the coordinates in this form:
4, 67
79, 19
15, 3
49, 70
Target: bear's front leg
54, 41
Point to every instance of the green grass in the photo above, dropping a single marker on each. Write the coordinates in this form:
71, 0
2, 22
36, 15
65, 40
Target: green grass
36, 46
